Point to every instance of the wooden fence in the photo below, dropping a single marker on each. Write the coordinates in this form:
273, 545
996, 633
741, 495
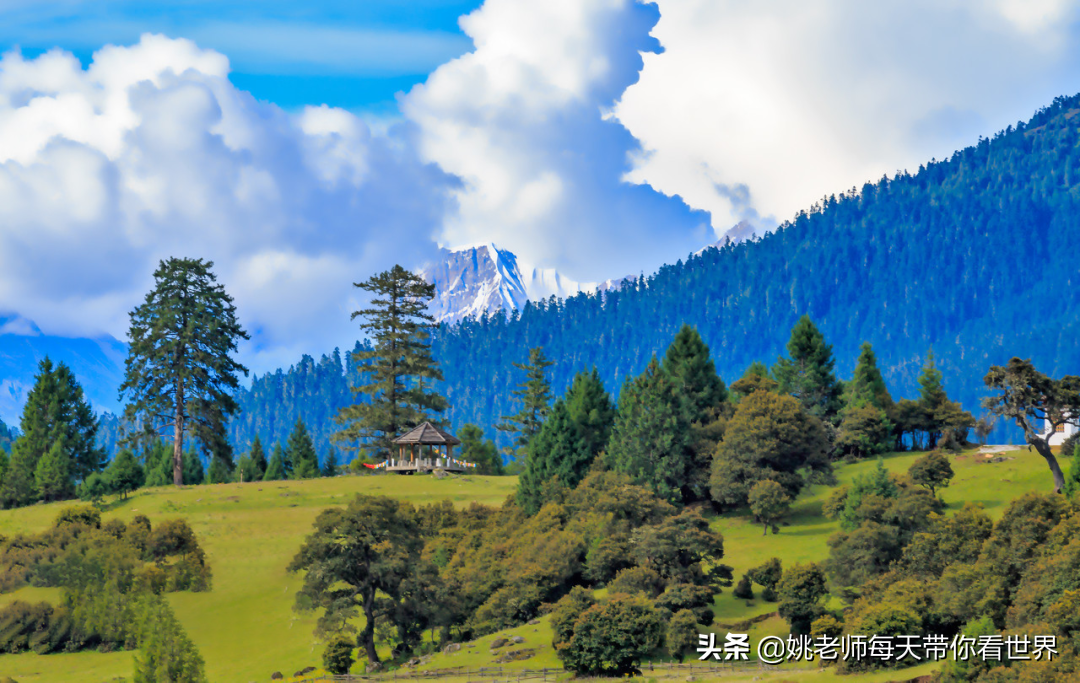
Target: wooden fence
498, 673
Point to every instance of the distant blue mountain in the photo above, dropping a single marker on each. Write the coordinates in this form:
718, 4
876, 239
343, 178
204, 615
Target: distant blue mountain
98, 364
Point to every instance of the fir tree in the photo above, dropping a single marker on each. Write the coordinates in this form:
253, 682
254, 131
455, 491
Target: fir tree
192, 473
157, 459
330, 466
179, 372
590, 409
275, 470
867, 386
808, 373
397, 366
931, 392
689, 365
258, 456
482, 453
301, 453
650, 437
124, 474
52, 476
219, 472
17, 488
534, 395
865, 428
558, 456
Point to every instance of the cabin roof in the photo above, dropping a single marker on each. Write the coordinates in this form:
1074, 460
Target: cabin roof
426, 434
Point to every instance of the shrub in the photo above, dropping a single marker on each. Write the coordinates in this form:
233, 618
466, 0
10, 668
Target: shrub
637, 580
744, 590
338, 655
682, 632
613, 637
78, 514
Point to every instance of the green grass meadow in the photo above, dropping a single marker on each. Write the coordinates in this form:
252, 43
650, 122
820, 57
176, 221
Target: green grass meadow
246, 627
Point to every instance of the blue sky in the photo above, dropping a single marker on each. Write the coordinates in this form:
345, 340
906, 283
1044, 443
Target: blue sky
304, 146
355, 55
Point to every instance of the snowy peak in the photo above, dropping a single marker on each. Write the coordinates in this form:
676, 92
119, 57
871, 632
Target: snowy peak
472, 281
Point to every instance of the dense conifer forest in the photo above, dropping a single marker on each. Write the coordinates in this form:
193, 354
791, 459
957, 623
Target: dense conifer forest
973, 256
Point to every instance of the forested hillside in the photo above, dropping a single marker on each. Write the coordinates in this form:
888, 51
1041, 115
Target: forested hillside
974, 256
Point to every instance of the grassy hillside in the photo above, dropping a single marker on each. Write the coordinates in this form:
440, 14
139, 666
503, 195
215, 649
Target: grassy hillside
246, 628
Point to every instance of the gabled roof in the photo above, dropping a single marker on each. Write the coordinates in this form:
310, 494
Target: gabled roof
426, 434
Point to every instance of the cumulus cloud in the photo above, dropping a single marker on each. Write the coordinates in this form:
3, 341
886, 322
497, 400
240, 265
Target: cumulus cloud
151, 152
520, 121
757, 110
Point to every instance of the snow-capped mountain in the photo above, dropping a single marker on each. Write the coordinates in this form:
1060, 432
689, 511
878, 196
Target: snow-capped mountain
471, 281
740, 232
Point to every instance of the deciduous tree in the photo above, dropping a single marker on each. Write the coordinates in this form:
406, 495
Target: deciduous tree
769, 502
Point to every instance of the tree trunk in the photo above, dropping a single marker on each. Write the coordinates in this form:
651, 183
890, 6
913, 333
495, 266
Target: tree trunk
764, 529
367, 636
1043, 447
178, 438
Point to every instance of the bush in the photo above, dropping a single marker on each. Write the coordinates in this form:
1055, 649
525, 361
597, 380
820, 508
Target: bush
682, 633
338, 655
78, 514
637, 580
613, 637
744, 589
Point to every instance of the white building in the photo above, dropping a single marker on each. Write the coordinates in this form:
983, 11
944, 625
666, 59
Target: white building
1060, 434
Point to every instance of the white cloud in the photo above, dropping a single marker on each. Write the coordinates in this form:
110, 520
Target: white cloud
151, 152
519, 120
760, 109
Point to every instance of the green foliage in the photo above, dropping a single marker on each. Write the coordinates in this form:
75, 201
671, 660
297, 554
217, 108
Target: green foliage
338, 655
808, 374
165, 651
94, 488
219, 472
637, 580
370, 547
558, 453
865, 430
681, 635
744, 589
124, 474
769, 502
767, 574
650, 439
932, 471
301, 453
396, 367
476, 450
330, 467
192, 472
770, 437
276, 469
682, 549
534, 396
867, 386
179, 372
591, 412
612, 638
52, 476
1034, 401
565, 614
802, 590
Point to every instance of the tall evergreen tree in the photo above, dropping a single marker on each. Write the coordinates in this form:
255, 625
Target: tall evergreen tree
650, 438
52, 476
179, 372
867, 386
258, 455
398, 364
590, 410
865, 427
301, 450
931, 392
689, 365
17, 488
808, 373
276, 470
482, 453
558, 455
157, 460
942, 416
192, 471
534, 396
330, 466
218, 472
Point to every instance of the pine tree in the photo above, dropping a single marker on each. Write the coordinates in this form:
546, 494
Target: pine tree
124, 474
192, 472
157, 459
558, 456
689, 365
650, 438
397, 366
479, 451
52, 476
301, 452
808, 373
867, 386
17, 488
165, 651
330, 466
258, 456
590, 409
219, 472
534, 395
275, 470
179, 372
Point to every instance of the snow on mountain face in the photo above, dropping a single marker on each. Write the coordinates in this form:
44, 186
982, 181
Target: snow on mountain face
474, 280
